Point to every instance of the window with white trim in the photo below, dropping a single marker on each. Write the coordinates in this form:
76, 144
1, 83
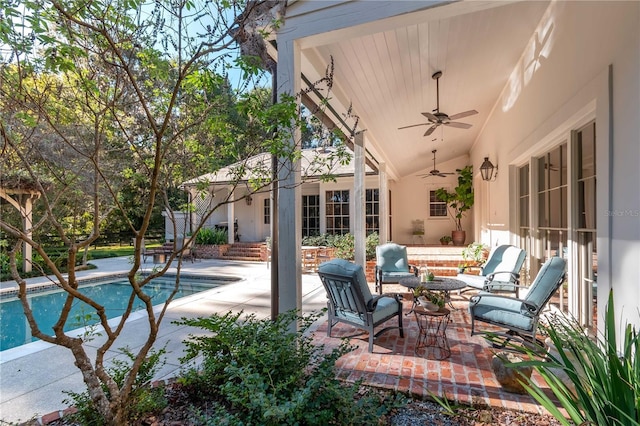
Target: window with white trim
310, 215
337, 212
372, 210
437, 208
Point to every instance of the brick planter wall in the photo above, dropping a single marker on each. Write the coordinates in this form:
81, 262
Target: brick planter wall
211, 251
441, 261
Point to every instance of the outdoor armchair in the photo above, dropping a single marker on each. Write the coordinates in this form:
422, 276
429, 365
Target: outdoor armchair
350, 300
392, 264
501, 272
518, 316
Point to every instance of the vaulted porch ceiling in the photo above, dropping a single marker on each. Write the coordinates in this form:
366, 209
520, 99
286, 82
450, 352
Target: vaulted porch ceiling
384, 70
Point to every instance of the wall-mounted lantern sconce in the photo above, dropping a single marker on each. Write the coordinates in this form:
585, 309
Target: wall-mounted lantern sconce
248, 199
488, 171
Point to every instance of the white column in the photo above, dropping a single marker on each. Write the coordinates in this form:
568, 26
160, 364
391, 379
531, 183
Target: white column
384, 207
289, 193
231, 220
358, 213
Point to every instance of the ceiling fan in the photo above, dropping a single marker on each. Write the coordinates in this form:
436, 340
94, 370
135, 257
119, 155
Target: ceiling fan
436, 172
437, 118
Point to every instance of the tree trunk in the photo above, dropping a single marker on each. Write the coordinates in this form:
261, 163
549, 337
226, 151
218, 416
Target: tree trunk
94, 387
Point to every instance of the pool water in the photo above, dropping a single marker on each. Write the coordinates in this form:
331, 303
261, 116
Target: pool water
113, 295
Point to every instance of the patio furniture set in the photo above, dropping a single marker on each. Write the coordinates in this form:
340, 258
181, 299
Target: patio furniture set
351, 301
160, 254
313, 256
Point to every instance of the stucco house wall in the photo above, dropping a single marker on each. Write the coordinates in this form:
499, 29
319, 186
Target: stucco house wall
410, 201
567, 88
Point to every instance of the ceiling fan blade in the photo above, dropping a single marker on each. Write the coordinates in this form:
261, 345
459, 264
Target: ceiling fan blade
414, 125
463, 114
430, 116
458, 125
430, 130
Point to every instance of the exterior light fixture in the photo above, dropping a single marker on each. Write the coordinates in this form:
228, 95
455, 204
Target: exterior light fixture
487, 170
248, 199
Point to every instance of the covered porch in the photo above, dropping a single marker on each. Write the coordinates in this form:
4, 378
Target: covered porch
544, 119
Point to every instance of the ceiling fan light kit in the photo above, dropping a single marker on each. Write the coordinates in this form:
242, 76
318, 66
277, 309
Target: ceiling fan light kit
437, 118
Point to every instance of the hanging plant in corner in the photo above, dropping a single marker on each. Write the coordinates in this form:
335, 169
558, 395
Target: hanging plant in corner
459, 202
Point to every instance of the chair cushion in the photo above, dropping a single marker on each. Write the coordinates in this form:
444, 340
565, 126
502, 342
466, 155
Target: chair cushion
501, 310
392, 257
479, 281
386, 307
349, 269
475, 281
546, 282
394, 277
504, 258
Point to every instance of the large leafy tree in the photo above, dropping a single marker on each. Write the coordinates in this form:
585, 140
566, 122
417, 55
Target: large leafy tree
106, 106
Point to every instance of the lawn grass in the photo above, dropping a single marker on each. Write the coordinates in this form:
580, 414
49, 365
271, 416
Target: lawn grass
110, 251
94, 253
114, 251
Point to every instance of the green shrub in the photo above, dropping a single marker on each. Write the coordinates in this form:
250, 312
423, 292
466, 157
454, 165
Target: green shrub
259, 372
208, 236
603, 384
317, 240
344, 244
373, 240
143, 400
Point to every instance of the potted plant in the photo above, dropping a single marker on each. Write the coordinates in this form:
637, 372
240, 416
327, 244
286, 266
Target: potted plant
475, 254
459, 202
445, 240
431, 300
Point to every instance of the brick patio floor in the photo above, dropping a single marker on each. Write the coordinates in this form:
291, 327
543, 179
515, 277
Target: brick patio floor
465, 377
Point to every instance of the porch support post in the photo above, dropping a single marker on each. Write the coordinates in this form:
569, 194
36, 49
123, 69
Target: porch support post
358, 214
231, 223
289, 193
383, 200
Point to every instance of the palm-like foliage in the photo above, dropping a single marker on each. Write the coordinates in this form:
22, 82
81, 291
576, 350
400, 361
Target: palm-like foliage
602, 385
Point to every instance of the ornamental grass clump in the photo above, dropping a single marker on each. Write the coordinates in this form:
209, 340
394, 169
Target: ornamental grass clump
601, 383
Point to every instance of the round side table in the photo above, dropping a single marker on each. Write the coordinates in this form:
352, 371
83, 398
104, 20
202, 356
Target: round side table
432, 336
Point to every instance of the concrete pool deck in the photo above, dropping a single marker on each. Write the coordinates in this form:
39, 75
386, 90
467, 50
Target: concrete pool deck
34, 376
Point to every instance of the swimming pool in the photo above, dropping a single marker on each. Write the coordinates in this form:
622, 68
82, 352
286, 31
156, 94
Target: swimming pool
113, 295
